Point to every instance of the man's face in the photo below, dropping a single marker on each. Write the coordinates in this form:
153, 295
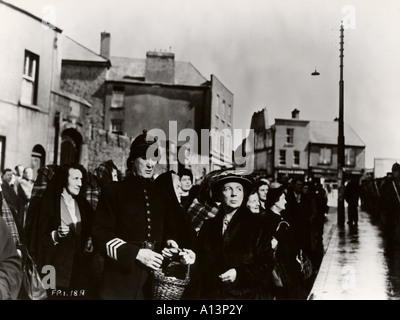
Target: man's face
144, 167
262, 192
232, 195
28, 173
8, 177
298, 187
20, 171
186, 183
74, 181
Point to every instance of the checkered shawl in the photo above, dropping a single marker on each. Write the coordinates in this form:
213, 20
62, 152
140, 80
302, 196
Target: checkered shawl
92, 190
100, 177
200, 212
9, 220
44, 175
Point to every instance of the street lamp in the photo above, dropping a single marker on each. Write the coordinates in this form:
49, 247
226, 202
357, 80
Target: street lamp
315, 73
341, 145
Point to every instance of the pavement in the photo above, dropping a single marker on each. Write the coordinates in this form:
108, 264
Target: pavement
354, 266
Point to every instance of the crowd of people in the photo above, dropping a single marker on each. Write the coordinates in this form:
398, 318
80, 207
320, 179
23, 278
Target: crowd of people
106, 233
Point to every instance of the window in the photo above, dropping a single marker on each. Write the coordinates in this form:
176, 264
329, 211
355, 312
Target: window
296, 158
222, 109
350, 157
117, 100
218, 107
116, 126
229, 114
2, 151
30, 78
289, 136
282, 157
325, 155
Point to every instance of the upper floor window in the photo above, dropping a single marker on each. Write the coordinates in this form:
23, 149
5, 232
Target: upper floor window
30, 78
217, 109
296, 157
282, 157
289, 136
117, 99
222, 109
229, 114
350, 157
116, 126
325, 155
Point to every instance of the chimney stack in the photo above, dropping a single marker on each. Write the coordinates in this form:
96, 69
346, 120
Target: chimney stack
105, 45
295, 114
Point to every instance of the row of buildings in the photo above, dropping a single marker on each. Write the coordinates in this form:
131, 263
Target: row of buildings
307, 148
62, 102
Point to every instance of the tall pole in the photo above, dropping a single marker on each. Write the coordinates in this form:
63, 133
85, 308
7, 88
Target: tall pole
341, 164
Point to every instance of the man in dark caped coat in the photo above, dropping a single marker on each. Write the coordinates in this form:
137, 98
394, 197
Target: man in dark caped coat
132, 224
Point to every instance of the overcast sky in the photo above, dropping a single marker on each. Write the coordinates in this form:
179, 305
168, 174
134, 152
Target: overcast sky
264, 52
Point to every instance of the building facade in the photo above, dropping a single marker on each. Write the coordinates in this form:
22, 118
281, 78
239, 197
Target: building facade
163, 96
63, 102
295, 147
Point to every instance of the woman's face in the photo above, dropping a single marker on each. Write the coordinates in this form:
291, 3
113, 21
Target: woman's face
74, 181
281, 202
186, 183
253, 203
176, 182
232, 195
262, 192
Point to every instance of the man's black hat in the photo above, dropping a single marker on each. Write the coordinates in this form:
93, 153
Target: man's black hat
141, 144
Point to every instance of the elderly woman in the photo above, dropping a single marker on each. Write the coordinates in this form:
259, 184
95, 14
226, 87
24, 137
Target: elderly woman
253, 202
233, 249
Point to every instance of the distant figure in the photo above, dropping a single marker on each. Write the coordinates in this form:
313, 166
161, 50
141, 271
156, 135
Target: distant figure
262, 187
186, 177
19, 172
390, 205
352, 196
25, 187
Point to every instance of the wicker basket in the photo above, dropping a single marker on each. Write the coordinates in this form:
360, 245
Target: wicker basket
170, 282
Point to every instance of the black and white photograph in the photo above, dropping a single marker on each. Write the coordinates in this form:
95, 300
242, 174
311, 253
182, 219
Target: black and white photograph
200, 155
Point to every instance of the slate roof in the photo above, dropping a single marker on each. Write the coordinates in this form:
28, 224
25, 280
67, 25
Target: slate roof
326, 132
123, 68
72, 50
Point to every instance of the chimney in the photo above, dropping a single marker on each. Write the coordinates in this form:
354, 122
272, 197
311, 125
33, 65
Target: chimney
160, 67
105, 45
295, 114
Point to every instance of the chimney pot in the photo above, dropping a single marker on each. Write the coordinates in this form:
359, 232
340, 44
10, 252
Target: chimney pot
295, 114
105, 44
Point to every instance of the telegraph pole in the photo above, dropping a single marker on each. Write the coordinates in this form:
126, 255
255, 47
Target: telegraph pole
341, 145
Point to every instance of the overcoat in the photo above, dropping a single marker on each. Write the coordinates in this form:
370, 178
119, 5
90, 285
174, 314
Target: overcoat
129, 213
245, 246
